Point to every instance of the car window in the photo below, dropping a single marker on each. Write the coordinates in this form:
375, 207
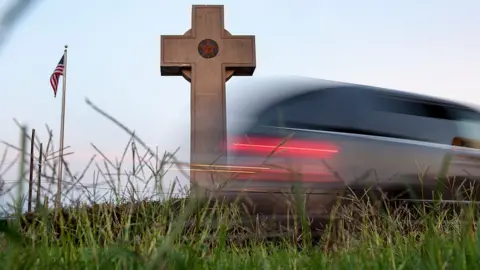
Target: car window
321, 109
411, 107
424, 120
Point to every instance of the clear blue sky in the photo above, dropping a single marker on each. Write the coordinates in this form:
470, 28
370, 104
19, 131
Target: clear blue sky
428, 46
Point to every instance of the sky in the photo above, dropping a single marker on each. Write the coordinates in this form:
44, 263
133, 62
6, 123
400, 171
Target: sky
429, 46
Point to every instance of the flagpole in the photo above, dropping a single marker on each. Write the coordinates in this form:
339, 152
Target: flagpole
58, 198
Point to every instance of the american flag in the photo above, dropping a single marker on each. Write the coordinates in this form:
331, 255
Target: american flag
56, 75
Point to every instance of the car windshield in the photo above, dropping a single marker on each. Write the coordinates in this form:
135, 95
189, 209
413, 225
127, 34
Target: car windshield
469, 129
467, 121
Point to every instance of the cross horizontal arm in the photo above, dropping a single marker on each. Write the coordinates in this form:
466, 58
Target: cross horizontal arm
240, 51
178, 51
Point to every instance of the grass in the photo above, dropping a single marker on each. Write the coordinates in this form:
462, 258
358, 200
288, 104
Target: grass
128, 231
139, 237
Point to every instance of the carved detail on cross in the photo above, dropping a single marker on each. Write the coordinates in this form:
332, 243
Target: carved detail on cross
187, 71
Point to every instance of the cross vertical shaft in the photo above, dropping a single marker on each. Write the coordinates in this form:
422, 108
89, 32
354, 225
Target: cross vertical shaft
207, 55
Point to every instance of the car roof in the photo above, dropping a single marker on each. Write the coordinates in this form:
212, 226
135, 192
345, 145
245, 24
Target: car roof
246, 100
258, 93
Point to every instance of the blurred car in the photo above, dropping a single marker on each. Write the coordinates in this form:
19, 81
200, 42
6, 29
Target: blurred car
327, 138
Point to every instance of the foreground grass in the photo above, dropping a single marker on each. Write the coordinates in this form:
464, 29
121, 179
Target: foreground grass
405, 254
143, 237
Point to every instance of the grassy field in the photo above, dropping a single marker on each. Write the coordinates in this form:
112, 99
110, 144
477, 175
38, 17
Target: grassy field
155, 236
127, 231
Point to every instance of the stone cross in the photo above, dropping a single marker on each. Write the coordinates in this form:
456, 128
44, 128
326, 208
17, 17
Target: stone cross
207, 56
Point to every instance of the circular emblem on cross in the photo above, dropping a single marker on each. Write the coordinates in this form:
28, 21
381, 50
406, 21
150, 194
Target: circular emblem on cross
208, 48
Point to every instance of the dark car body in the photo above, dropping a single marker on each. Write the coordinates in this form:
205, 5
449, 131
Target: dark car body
326, 138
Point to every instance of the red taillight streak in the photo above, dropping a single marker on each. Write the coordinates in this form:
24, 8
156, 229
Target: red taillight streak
269, 147
280, 147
